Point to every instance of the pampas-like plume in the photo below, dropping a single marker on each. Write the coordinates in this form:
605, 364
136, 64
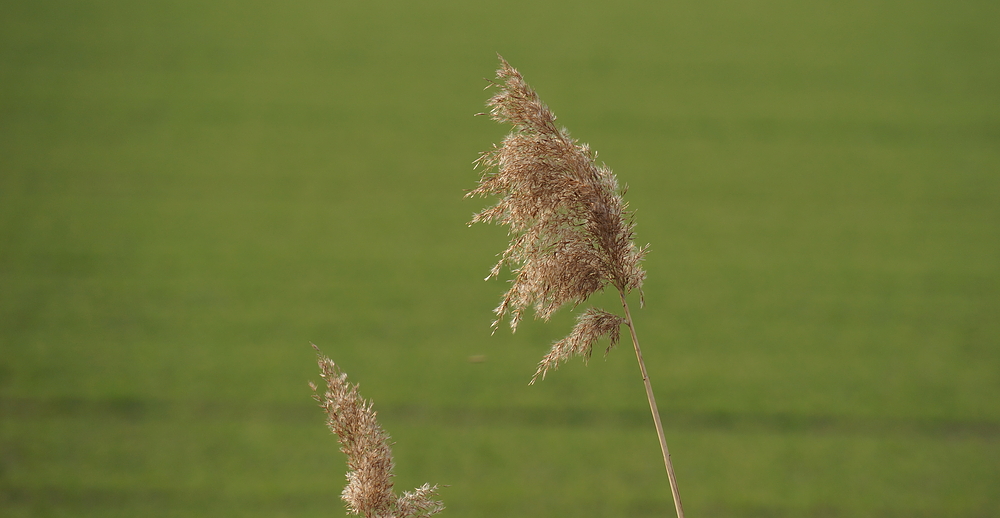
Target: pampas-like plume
369, 458
571, 234
591, 325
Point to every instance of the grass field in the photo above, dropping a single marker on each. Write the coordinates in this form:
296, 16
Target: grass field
192, 192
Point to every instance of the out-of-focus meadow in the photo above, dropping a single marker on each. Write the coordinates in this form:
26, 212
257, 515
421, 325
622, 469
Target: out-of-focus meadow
192, 192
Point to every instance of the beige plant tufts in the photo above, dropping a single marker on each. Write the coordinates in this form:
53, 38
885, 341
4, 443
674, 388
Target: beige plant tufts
369, 490
571, 232
590, 327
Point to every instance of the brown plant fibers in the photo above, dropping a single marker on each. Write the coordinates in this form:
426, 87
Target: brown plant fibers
571, 234
369, 489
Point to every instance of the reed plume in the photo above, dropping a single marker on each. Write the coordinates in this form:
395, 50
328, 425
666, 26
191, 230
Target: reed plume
369, 489
571, 232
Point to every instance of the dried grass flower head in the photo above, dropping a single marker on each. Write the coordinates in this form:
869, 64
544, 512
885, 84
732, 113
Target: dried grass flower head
369, 489
571, 232
591, 326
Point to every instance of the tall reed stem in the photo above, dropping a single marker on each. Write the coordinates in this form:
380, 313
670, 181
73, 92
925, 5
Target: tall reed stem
652, 408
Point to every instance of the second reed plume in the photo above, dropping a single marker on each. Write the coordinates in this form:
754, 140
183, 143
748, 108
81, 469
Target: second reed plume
571, 232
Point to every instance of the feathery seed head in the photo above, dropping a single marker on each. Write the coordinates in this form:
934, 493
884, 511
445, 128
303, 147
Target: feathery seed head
570, 232
591, 326
369, 489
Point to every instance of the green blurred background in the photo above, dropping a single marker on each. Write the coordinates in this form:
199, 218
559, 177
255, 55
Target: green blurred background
191, 192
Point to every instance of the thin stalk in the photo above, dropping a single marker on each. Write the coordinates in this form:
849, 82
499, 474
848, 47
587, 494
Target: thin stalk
656, 413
